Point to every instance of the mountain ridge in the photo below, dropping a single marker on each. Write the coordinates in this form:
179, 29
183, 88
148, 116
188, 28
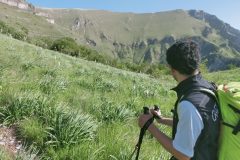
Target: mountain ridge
140, 38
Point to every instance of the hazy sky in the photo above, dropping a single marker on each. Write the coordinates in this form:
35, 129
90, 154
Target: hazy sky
226, 10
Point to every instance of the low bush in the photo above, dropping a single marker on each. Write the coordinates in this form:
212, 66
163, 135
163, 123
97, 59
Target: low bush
10, 31
66, 45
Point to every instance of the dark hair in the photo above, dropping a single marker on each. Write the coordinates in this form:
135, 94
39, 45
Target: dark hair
184, 56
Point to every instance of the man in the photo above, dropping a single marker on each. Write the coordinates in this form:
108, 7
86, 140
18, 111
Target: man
195, 123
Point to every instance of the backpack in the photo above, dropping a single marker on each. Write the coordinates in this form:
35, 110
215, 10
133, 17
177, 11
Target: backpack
228, 98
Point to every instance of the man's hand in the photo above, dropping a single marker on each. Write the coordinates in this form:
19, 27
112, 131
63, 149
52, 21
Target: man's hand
156, 113
143, 119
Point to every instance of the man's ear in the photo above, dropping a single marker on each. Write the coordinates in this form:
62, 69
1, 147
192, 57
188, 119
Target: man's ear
174, 73
173, 70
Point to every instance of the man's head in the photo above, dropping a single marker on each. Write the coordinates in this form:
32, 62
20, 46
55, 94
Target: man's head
184, 57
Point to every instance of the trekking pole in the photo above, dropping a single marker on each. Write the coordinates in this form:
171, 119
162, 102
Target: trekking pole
142, 131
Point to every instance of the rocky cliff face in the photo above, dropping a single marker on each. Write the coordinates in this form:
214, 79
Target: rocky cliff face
232, 35
153, 50
21, 4
224, 29
150, 50
24, 5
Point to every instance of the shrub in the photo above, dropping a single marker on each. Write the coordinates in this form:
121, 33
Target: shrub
66, 45
20, 35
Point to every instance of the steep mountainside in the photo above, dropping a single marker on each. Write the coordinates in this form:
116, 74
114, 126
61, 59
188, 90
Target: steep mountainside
230, 35
133, 37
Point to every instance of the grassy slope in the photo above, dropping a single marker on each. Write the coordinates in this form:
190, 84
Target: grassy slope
90, 87
85, 86
36, 25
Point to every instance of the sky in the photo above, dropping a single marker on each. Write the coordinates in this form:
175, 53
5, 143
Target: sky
226, 10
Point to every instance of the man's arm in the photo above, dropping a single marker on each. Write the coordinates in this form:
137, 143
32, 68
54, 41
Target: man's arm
166, 142
166, 121
163, 139
189, 128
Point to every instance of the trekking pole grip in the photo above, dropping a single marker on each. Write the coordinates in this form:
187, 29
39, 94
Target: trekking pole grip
156, 108
145, 110
143, 130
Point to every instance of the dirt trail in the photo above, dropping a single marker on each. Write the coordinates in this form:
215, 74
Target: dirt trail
8, 140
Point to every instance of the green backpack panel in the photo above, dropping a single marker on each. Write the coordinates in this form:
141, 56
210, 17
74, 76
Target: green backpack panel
228, 98
229, 101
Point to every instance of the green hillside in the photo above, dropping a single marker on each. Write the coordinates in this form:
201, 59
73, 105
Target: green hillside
143, 26
36, 25
66, 107
129, 37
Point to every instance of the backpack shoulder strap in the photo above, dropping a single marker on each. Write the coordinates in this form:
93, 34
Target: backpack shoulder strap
236, 128
208, 91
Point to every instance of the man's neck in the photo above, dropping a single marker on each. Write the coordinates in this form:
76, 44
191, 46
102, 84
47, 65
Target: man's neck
182, 77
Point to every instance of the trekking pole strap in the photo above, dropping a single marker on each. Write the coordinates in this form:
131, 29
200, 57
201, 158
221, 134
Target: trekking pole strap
237, 128
143, 130
148, 123
234, 109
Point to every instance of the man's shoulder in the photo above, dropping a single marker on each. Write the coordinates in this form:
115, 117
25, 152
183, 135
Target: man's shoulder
187, 106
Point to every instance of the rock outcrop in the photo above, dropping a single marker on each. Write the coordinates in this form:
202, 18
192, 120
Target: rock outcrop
21, 4
24, 5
